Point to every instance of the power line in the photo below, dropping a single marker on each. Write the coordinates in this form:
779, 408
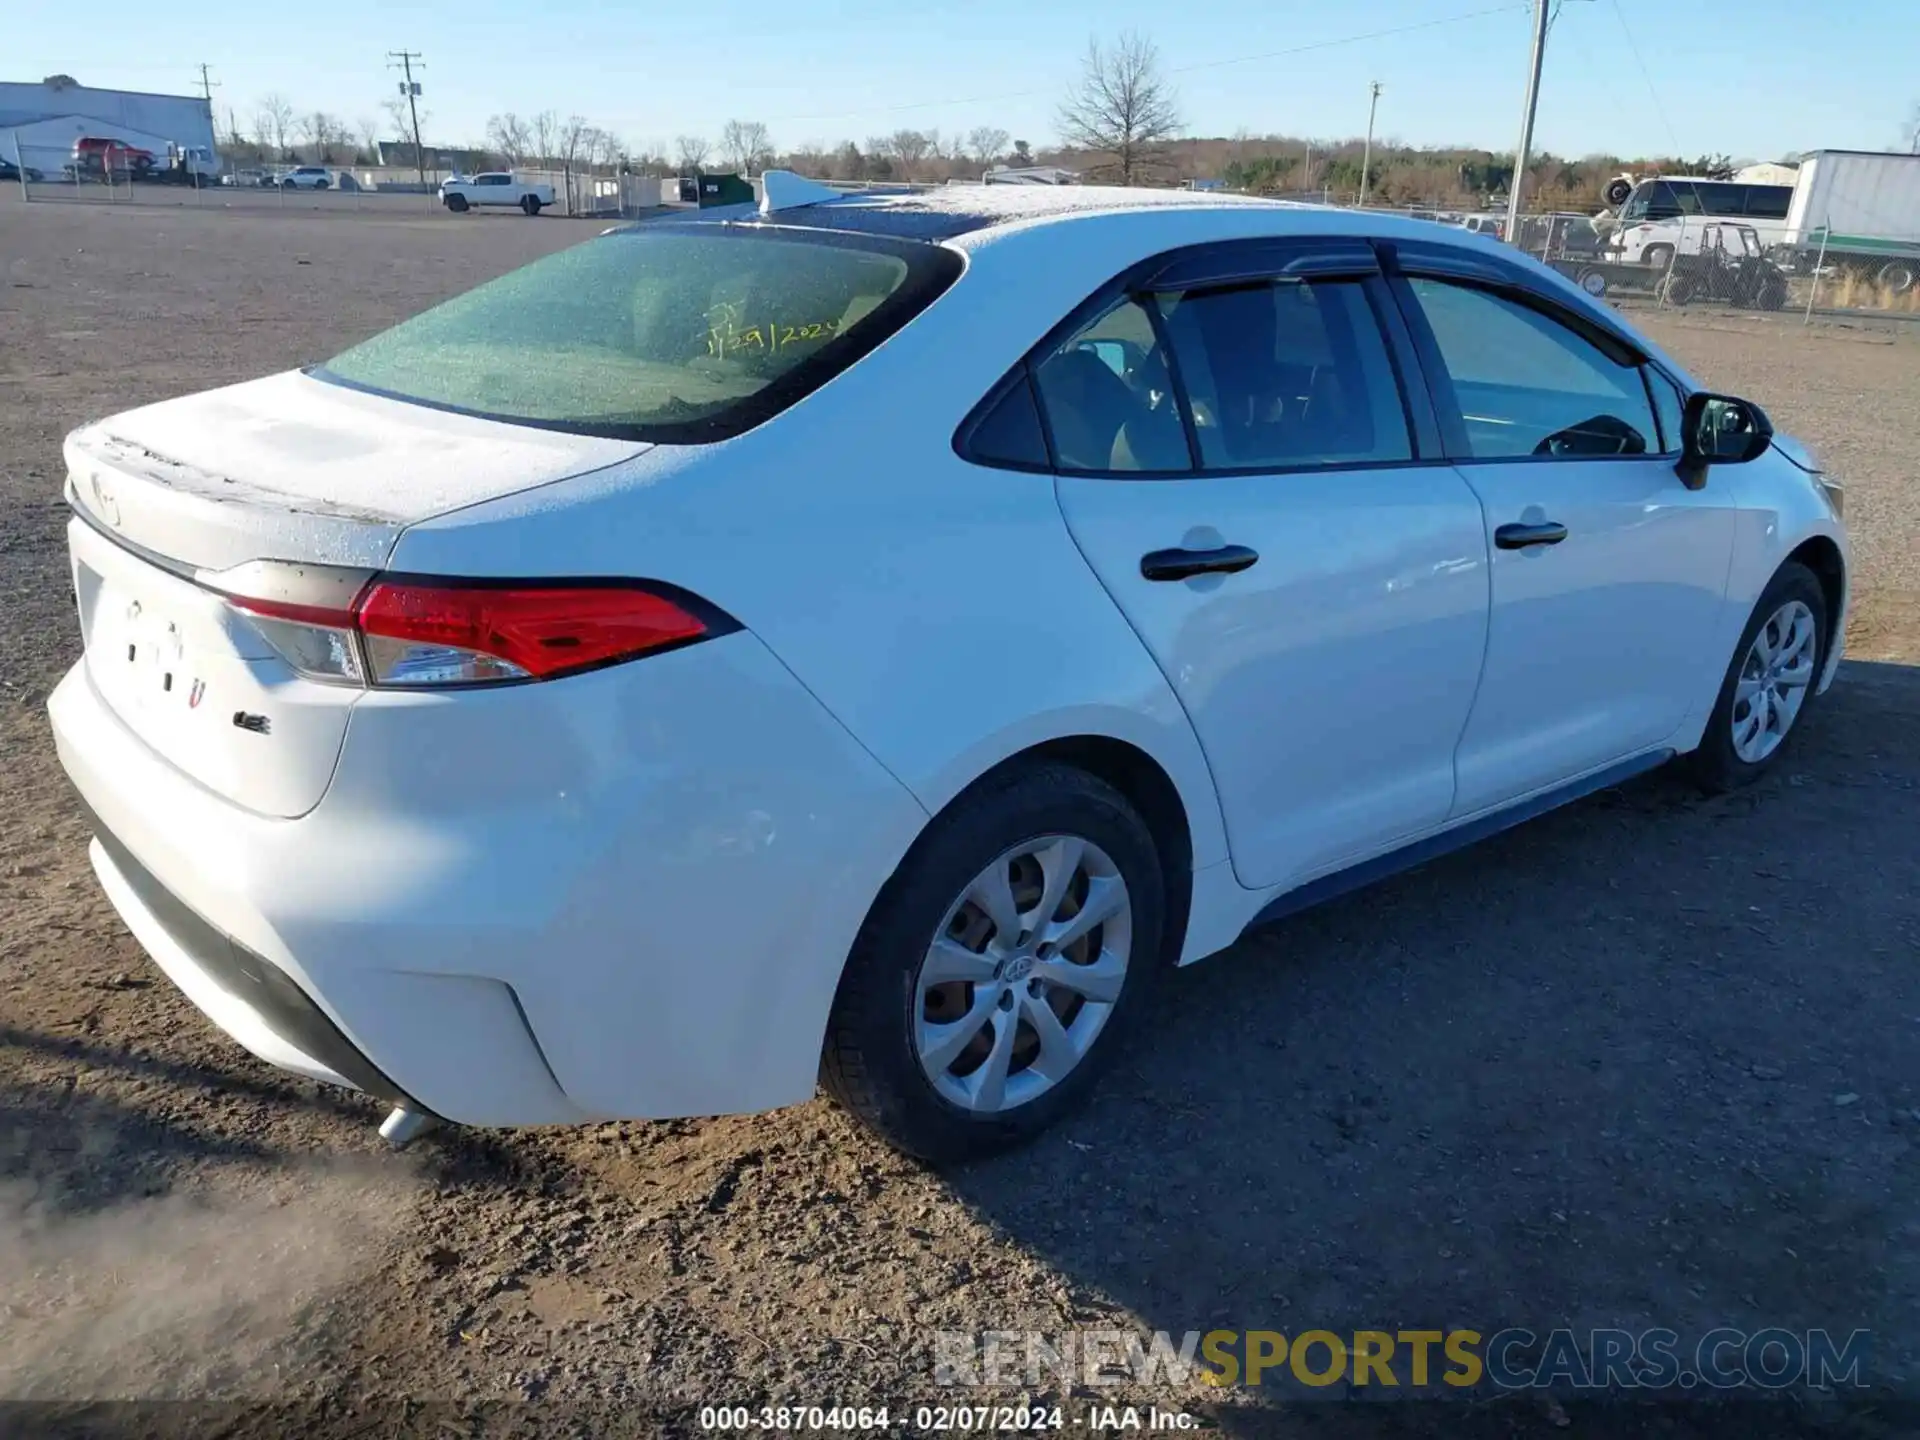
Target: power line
1176, 70
1652, 94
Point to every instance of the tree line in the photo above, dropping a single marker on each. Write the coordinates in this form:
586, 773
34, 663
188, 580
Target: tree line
1120, 122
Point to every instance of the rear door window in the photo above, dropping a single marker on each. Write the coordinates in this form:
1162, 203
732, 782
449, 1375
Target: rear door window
1109, 399
1286, 374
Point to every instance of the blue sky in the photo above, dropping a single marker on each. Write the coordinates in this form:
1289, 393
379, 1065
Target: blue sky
1754, 78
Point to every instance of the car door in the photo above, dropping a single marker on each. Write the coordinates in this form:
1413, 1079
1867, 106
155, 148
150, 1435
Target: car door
1237, 459
1608, 571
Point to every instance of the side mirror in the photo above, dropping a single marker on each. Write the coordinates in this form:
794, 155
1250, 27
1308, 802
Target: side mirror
1720, 430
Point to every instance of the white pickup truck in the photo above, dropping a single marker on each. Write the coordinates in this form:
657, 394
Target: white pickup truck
495, 188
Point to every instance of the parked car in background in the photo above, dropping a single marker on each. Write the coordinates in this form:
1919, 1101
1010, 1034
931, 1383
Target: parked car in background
556, 708
97, 155
496, 188
10, 171
307, 177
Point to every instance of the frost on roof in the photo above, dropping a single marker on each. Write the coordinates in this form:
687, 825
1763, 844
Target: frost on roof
956, 209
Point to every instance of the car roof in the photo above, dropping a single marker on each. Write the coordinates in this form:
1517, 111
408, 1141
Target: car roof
951, 210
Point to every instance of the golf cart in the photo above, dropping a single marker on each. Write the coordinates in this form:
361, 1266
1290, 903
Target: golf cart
1731, 267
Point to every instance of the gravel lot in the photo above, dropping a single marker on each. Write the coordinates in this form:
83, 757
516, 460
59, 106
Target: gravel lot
1648, 1061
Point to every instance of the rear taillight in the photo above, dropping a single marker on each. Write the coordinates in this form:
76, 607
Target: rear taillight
419, 633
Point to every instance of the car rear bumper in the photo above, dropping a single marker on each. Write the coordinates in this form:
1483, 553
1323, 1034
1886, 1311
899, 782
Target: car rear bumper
626, 894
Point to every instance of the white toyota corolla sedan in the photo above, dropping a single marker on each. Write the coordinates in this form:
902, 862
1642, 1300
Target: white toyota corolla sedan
866, 639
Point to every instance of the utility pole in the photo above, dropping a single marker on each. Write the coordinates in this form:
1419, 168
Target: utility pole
207, 86
406, 60
1526, 123
1366, 156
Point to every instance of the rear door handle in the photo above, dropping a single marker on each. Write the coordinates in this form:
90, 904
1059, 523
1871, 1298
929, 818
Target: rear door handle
1185, 564
1519, 537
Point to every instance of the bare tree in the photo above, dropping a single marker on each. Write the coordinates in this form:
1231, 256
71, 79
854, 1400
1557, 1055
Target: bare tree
273, 118
321, 131
747, 145
367, 129
400, 117
546, 136
509, 135
907, 149
986, 143
690, 153
1122, 106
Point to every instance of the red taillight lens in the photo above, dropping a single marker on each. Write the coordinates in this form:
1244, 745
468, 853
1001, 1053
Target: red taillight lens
440, 635
423, 633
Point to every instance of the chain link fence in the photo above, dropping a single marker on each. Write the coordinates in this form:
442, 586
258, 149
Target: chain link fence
1867, 269
112, 173
1847, 261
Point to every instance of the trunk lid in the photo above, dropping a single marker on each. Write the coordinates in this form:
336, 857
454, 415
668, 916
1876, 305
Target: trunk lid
285, 469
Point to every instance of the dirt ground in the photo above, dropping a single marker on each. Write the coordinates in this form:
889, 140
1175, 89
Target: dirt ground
1647, 1061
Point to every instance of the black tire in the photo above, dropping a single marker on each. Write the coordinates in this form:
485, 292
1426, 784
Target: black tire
869, 1063
1773, 293
1677, 289
530, 204
1898, 275
457, 204
1715, 766
320, 184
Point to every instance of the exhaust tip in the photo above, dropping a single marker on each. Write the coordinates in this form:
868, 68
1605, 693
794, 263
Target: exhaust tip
403, 1126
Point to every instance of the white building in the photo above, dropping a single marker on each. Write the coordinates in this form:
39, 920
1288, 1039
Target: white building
40, 122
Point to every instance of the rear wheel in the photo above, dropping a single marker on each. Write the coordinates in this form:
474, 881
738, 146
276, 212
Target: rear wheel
1898, 275
320, 184
530, 204
1593, 281
1777, 663
1677, 289
1003, 966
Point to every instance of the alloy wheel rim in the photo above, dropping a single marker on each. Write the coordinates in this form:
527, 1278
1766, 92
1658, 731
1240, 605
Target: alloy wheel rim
1023, 974
1775, 678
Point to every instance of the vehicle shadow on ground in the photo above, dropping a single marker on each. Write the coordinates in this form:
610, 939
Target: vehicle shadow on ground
82, 1147
1643, 1062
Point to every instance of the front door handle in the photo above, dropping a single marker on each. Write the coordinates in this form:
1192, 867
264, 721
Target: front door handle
1519, 537
1185, 564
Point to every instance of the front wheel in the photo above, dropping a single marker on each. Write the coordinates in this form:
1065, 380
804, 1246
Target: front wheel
457, 204
1007, 962
1775, 667
530, 204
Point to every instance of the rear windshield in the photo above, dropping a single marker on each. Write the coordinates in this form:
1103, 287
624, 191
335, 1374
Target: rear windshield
677, 333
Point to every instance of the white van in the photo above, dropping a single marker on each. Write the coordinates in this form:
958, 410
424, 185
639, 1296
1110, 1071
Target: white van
1667, 216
